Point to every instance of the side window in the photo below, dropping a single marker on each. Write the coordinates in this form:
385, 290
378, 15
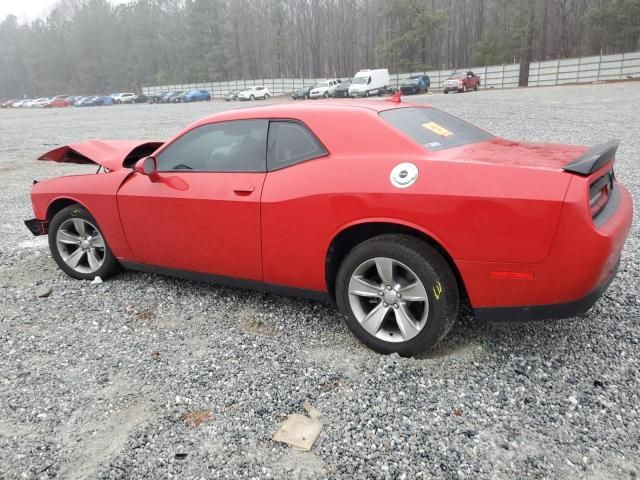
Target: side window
291, 143
235, 146
369, 81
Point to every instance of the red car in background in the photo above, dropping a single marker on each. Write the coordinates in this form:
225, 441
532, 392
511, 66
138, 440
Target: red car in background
399, 221
59, 101
462, 82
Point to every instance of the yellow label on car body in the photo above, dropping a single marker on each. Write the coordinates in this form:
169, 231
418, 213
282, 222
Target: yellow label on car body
437, 129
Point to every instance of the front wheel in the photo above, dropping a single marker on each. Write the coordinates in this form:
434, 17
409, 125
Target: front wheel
252, 97
476, 87
266, 96
78, 246
398, 293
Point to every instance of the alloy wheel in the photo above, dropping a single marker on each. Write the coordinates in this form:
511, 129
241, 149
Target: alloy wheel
388, 299
80, 245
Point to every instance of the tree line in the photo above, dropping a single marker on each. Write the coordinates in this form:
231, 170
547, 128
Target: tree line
93, 46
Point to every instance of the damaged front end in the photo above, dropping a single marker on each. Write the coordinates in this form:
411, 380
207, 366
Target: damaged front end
37, 227
109, 154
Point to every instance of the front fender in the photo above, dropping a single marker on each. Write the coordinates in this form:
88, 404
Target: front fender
96, 193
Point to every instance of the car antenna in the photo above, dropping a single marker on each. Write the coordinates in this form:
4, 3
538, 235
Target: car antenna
396, 97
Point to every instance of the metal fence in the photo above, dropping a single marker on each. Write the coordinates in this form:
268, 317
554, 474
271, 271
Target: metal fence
551, 72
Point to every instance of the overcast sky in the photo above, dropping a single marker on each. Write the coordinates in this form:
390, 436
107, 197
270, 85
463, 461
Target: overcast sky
30, 9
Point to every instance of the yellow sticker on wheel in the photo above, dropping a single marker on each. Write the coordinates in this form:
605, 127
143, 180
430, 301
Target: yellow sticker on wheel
437, 129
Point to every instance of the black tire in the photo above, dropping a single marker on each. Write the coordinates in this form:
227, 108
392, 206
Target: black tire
446, 91
326, 95
476, 87
430, 268
109, 266
266, 96
252, 97
366, 93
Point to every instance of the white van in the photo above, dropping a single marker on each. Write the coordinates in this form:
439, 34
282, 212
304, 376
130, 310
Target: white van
369, 82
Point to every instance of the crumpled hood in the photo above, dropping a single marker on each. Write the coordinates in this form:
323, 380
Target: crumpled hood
499, 151
111, 154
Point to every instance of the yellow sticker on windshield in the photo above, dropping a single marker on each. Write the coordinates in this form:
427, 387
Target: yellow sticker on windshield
437, 129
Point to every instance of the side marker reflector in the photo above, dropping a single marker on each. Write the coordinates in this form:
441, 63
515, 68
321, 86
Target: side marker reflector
512, 275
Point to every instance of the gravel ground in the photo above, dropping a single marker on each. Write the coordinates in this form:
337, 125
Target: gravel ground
95, 379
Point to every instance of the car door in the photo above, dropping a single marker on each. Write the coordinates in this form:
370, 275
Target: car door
201, 211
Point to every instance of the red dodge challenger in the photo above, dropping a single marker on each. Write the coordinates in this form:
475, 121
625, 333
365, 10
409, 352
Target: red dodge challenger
397, 212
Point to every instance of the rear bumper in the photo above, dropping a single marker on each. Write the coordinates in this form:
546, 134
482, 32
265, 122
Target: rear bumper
545, 312
583, 260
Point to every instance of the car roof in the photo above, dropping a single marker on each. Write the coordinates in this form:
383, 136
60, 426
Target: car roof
293, 109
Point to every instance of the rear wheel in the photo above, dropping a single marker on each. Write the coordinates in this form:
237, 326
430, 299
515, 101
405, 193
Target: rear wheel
266, 96
78, 246
252, 97
398, 293
476, 87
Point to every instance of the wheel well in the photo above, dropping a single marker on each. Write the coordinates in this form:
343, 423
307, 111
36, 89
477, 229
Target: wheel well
58, 205
352, 236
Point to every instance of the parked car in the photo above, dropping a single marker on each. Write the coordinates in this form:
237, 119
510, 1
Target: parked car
197, 96
169, 96
253, 93
21, 103
342, 89
461, 82
415, 85
301, 93
155, 97
324, 89
125, 98
38, 102
141, 99
232, 95
73, 99
369, 82
390, 243
58, 101
103, 101
9, 103
177, 98
85, 101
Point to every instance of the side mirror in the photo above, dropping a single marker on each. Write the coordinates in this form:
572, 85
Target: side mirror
146, 166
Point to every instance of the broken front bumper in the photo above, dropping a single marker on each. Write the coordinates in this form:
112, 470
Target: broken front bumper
37, 227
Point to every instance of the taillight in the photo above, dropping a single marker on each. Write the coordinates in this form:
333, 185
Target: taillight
599, 193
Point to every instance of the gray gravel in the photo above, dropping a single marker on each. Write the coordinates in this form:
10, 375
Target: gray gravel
95, 379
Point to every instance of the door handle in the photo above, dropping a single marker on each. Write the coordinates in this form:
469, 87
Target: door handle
244, 190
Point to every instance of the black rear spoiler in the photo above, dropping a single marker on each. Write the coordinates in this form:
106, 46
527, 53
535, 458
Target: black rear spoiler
593, 159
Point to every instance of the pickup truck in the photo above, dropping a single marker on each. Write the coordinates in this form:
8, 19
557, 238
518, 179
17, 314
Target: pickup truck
461, 82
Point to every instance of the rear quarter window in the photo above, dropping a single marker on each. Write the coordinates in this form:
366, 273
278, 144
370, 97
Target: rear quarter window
434, 129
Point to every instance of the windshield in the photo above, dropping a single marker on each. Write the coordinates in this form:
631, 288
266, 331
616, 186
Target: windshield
434, 129
360, 80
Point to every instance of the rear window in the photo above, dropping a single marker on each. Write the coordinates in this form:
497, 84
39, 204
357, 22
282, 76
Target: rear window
434, 129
